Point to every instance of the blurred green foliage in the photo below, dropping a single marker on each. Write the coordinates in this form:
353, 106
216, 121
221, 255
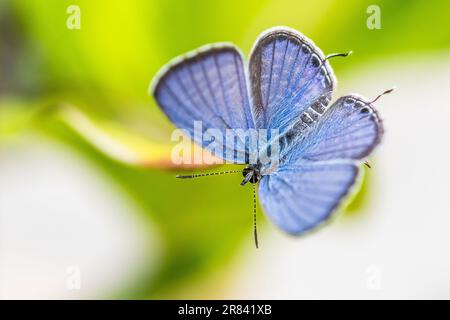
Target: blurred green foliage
104, 69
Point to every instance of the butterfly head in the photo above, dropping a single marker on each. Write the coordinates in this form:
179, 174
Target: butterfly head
251, 174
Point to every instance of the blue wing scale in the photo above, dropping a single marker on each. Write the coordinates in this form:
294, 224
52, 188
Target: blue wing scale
207, 85
298, 198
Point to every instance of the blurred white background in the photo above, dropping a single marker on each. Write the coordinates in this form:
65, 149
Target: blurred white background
65, 231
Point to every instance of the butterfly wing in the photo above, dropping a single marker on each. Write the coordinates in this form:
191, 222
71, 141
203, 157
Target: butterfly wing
349, 129
320, 166
288, 73
207, 85
299, 198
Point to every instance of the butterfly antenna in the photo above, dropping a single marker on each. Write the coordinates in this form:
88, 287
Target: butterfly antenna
255, 233
380, 95
206, 174
338, 55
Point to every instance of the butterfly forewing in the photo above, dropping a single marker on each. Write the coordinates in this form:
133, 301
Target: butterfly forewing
208, 85
288, 73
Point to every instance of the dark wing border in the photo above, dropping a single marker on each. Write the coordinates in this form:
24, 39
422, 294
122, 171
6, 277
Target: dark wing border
292, 34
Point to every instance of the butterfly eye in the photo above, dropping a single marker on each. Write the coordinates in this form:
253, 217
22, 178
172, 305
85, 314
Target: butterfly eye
245, 171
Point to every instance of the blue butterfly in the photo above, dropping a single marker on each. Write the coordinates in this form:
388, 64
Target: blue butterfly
287, 86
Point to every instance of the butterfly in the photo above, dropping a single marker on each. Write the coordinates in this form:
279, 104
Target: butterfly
286, 86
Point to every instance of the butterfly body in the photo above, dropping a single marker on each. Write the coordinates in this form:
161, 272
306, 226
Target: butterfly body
310, 152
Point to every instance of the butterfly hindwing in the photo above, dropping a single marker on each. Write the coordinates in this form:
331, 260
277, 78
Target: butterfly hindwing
319, 167
288, 73
299, 197
349, 129
208, 85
